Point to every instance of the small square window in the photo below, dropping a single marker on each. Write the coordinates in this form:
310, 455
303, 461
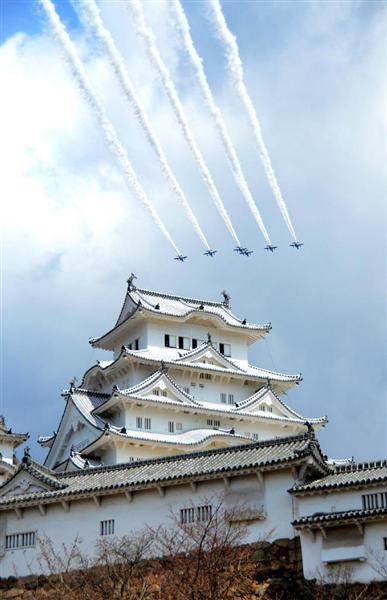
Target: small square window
385, 543
169, 341
139, 422
179, 426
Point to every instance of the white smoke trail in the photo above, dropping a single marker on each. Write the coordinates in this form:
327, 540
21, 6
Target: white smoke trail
90, 14
236, 69
146, 33
80, 76
197, 61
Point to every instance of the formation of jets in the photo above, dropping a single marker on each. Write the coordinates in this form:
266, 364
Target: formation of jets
241, 250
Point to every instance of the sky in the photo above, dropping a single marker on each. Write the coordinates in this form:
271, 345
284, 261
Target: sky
72, 231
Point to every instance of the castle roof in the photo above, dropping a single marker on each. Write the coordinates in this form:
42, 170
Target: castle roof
184, 361
140, 303
350, 475
344, 517
7, 435
162, 472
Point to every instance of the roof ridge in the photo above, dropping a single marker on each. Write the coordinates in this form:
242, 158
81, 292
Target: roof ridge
190, 455
361, 466
176, 297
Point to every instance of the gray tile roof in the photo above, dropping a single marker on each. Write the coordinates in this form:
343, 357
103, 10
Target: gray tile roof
347, 516
347, 476
165, 471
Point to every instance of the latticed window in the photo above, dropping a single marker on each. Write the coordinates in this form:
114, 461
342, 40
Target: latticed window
376, 500
106, 527
204, 513
231, 399
20, 540
139, 422
223, 397
147, 423
171, 426
187, 515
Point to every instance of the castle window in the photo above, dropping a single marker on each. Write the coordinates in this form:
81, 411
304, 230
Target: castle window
385, 543
205, 376
164, 393
147, 423
186, 389
201, 385
204, 513
136, 344
20, 540
377, 500
106, 527
213, 423
193, 383
225, 349
184, 343
171, 426
179, 426
231, 399
255, 437
169, 341
187, 515
262, 407
223, 397
139, 422
156, 392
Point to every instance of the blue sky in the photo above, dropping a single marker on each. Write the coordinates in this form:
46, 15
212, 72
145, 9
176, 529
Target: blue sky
72, 232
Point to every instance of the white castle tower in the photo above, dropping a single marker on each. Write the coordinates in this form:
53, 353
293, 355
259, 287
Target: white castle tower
179, 381
9, 441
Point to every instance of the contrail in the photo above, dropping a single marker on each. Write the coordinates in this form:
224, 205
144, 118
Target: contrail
147, 34
90, 14
197, 61
80, 76
236, 69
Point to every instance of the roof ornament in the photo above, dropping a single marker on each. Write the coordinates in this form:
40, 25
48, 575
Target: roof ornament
73, 381
201, 307
157, 306
106, 427
163, 368
131, 286
244, 322
232, 431
209, 339
2, 421
226, 299
268, 384
86, 464
26, 460
310, 429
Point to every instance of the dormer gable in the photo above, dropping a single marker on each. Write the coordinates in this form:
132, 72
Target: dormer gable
207, 354
29, 479
264, 400
158, 386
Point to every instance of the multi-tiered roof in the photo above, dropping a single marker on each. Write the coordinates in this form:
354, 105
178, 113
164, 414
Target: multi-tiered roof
179, 381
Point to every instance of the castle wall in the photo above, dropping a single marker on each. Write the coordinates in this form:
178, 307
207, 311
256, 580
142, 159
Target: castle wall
267, 499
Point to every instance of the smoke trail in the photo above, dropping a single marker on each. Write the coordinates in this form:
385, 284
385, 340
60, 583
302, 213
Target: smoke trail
107, 127
146, 33
236, 69
90, 14
197, 61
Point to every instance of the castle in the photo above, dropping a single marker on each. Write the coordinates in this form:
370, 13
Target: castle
178, 415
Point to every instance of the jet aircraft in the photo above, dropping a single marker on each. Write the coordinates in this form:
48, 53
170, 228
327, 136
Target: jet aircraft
210, 253
271, 248
296, 245
180, 257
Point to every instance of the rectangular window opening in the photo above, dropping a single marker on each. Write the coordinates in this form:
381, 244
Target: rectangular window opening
106, 527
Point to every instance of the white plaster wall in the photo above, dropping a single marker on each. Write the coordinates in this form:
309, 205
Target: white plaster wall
6, 450
368, 570
157, 330
146, 508
341, 500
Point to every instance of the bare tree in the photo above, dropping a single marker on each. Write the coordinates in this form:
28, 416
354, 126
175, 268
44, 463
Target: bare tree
205, 559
